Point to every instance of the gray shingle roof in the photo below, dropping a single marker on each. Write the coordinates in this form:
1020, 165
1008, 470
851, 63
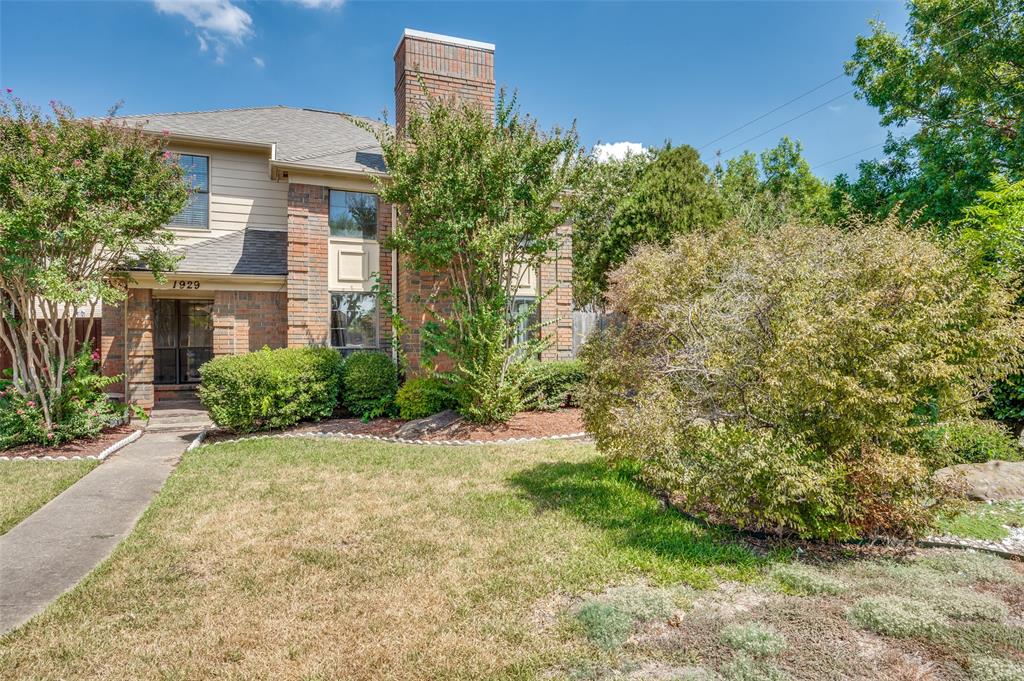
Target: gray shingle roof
248, 252
311, 137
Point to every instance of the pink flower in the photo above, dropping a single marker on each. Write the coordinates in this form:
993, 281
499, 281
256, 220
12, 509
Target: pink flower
95, 355
78, 163
21, 412
30, 403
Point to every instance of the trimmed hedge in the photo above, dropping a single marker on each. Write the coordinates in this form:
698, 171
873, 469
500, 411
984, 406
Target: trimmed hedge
271, 388
369, 383
424, 396
553, 385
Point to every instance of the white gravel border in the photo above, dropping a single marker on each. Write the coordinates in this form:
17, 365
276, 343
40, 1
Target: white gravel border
380, 438
123, 442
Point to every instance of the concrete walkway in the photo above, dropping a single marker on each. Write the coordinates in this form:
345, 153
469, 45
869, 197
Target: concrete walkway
49, 552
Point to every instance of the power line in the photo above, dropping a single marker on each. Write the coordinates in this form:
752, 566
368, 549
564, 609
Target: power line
846, 156
815, 89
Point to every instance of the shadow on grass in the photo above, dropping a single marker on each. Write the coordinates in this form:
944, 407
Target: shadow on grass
630, 517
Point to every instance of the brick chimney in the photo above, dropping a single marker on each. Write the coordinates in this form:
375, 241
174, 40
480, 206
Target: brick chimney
450, 68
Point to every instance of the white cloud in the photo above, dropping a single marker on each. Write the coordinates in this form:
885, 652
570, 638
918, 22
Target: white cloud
835, 108
317, 4
617, 150
258, 62
218, 23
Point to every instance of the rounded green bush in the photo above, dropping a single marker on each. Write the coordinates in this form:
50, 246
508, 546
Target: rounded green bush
271, 388
423, 396
369, 384
806, 581
969, 441
754, 638
895, 616
552, 385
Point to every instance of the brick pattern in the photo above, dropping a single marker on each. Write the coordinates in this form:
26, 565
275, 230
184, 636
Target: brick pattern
386, 259
308, 300
139, 307
414, 288
244, 321
556, 308
448, 71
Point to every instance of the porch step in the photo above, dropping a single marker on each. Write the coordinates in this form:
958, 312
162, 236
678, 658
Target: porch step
178, 415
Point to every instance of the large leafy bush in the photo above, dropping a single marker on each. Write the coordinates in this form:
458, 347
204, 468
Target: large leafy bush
271, 388
369, 382
779, 380
968, 441
423, 396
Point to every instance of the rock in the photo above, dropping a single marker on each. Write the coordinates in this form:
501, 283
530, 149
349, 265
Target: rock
413, 430
990, 481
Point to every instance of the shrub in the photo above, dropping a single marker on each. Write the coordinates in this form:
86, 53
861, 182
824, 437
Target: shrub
271, 388
814, 355
553, 385
895, 616
423, 396
969, 441
754, 638
369, 384
806, 581
82, 410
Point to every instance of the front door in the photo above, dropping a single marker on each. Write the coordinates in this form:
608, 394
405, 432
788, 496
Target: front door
182, 339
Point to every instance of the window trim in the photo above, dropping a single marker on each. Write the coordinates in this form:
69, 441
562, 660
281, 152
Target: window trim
209, 184
376, 322
376, 225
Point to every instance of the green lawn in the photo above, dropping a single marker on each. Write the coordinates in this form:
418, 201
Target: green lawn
305, 559
984, 521
25, 486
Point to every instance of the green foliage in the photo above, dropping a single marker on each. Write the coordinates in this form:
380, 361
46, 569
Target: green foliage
778, 379
369, 383
608, 620
967, 605
648, 202
604, 625
958, 75
82, 410
553, 385
895, 616
774, 189
983, 520
968, 441
754, 638
80, 201
271, 388
975, 567
995, 669
423, 396
479, 199
804, 580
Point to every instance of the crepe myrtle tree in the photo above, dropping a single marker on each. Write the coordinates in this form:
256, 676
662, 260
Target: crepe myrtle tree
82, 200
480, 199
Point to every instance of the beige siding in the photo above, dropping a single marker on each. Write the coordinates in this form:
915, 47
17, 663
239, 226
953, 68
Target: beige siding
241, 194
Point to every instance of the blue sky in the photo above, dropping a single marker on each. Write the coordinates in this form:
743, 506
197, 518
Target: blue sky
639, 72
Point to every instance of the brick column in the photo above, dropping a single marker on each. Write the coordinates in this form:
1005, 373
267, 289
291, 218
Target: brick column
139, 364
308, 299
556, 308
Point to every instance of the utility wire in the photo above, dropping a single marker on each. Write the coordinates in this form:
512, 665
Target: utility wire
846, 156
809, 92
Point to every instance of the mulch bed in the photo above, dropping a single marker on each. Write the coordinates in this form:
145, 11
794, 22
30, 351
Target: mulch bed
82, 447
524, 424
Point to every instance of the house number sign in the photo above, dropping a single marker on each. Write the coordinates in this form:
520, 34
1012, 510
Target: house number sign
185, 284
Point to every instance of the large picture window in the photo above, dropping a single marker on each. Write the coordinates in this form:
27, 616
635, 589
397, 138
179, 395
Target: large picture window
354, 320
196, 213
353, 214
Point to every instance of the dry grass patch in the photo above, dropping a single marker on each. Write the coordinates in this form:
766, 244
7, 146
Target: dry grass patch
26, 486
314, 559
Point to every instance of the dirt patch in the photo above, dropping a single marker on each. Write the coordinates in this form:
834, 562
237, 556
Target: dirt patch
524, 424
81, 447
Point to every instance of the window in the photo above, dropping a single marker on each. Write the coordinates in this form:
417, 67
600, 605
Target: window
354, 320
527, 313
196, 213
353, 214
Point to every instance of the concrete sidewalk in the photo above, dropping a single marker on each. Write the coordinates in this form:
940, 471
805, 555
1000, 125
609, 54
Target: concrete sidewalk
49, 552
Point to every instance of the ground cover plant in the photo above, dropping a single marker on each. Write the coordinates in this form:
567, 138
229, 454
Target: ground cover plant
271, 389
983, 520
746, 380
25, 486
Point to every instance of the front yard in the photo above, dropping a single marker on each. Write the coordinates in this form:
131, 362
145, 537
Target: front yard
322, 559
26, 486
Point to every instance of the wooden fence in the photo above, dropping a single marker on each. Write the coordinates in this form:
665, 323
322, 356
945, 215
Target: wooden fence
80, 326
585, 322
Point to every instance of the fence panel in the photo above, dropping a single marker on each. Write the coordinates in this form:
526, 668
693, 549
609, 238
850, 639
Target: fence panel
80, 325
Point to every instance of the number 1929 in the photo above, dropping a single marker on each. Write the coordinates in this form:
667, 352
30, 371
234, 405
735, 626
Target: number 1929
185, 284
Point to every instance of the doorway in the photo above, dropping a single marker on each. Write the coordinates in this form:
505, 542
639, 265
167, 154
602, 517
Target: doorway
182, 339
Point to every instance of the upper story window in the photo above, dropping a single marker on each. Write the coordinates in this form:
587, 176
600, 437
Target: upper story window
353, 214
196, 213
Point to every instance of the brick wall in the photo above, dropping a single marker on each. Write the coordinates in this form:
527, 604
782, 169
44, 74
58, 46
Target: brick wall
244, 321
139, 306
556, 308
308, 300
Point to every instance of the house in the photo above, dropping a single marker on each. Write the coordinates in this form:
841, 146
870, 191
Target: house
281, 243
